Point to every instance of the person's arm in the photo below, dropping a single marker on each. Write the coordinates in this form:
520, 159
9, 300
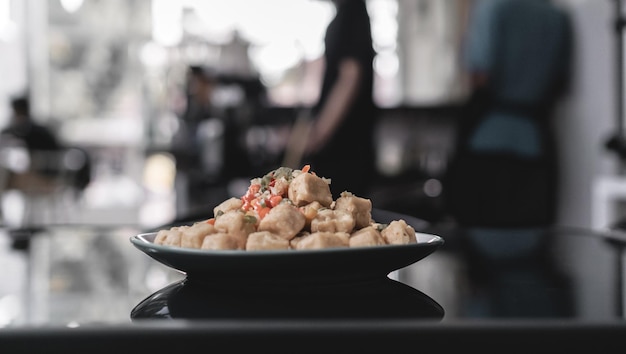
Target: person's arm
339, 100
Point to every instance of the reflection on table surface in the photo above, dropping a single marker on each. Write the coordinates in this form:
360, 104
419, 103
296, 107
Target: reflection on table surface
371, 299
77, 275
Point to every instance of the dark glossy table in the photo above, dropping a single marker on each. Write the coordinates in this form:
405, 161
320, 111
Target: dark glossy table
87, 289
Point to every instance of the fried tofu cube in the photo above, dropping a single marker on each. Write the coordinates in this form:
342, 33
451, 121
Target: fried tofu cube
193, 236
236, 224
284, 220
398, 232
171, 237
221, 241
160, 237
360, 208
307, 188
293, 243
227, 205
322, 240
367, 236
265, 240
328, 220
310, 212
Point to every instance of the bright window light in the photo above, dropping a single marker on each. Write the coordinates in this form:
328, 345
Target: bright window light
8, 28
387, 64
167, 28
71, 6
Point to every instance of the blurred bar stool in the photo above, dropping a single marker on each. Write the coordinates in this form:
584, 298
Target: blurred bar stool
38, 187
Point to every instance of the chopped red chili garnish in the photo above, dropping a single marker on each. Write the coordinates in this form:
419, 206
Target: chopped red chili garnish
274, 200
263, 211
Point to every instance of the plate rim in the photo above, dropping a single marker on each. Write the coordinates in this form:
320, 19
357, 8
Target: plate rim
140, 241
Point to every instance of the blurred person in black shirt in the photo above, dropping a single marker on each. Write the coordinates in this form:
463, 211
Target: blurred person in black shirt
201, 83
48, 157
340, 142
23, 127
38, 141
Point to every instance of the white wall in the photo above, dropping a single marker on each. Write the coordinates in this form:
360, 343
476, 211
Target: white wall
586, 118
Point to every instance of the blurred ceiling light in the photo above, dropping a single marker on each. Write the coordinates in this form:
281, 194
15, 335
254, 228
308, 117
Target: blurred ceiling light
390, 159
167, 28
159, 173
264, 21
310, 26
16, 159
387, 64
74, 159
383, 14
261, 22
8, 28
433, 187
153, 55
218, 18
13, 204
274, 59
71, 6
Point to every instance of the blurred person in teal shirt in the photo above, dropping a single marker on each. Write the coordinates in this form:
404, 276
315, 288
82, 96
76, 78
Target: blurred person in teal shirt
502, 182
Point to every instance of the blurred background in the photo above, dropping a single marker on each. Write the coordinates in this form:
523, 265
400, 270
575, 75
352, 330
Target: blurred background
112, 80
110, 77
